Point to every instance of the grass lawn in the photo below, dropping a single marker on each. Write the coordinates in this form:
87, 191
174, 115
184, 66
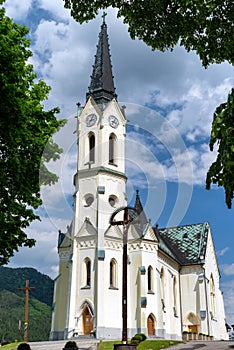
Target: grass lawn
157, 344
12, 346
145, 345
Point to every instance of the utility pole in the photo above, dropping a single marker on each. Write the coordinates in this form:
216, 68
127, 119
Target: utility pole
27, 289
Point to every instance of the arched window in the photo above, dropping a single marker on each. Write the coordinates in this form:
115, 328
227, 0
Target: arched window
150, 278
175, 307
92, 148
112, 149
113, 273
162, 282
212, 297
87, 272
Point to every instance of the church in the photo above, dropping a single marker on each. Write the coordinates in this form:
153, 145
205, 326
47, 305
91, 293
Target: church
172, 273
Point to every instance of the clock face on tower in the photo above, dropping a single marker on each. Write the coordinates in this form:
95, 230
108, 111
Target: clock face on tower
91, 119
113, 121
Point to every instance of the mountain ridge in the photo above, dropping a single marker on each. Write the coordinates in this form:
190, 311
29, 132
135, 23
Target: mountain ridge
12, 304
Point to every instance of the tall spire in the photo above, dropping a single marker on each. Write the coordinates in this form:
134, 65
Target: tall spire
102, 83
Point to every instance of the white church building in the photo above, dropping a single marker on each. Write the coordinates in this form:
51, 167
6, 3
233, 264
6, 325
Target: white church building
173, 274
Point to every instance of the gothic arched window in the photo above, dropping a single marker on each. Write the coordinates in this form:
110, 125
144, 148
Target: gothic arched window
162, 280
112, 149
87, 272
92, 148
150, 278
212, 297
175, 307
113, 273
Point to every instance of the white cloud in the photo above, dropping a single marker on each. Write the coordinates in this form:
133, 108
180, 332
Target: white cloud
227, 269
228, 295
56, 8
43, 256
17, 9
222, 252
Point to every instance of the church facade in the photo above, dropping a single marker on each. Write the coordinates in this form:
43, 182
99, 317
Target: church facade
172, 273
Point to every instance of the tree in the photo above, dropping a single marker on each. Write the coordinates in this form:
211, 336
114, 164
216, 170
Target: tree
222, 170
25, 130
205, 26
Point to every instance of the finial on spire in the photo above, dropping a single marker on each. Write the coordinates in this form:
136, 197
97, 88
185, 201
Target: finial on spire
137, 193
104, 17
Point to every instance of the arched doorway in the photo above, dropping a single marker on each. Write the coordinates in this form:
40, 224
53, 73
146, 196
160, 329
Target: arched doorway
151, 325
87, 320
192, 322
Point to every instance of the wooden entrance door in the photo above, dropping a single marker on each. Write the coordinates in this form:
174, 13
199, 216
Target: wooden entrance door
87, 321
150, 325
192, 328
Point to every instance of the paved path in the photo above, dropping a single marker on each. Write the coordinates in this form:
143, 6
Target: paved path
92, 345
206, 345
58, 345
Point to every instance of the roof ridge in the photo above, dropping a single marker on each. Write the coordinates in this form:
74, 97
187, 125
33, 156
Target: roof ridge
186, 225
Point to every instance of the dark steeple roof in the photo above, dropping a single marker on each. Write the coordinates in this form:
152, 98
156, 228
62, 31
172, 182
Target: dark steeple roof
102, 84
142, 219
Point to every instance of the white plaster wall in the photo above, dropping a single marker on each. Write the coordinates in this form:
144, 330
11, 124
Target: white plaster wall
170, 324
190, 294
217, 322
102, 130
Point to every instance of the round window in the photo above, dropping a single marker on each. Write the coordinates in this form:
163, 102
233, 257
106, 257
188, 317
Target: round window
112, 200
88, 200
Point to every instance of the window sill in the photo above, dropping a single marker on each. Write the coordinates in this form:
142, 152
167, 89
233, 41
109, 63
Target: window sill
113, 288
110, 163
86, 287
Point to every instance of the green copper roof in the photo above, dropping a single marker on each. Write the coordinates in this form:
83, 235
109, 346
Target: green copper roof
185, 244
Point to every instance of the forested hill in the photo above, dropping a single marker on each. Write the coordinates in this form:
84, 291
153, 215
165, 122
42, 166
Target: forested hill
13, 279
12, 304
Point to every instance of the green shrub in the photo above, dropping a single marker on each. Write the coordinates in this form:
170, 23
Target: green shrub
139, 337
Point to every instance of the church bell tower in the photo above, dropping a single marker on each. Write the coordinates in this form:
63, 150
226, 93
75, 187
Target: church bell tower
88, 289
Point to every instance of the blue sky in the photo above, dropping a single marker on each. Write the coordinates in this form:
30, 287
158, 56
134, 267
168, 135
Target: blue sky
170, 101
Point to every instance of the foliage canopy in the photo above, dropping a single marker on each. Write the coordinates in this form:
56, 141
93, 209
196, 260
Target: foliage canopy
222, 170
25, 130
205, 26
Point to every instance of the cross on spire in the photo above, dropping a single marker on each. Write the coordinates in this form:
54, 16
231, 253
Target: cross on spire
104, 17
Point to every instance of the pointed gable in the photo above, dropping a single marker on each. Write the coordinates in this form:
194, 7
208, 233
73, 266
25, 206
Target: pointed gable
114, 232
64, 241
185, 244
149, 234
87, 229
